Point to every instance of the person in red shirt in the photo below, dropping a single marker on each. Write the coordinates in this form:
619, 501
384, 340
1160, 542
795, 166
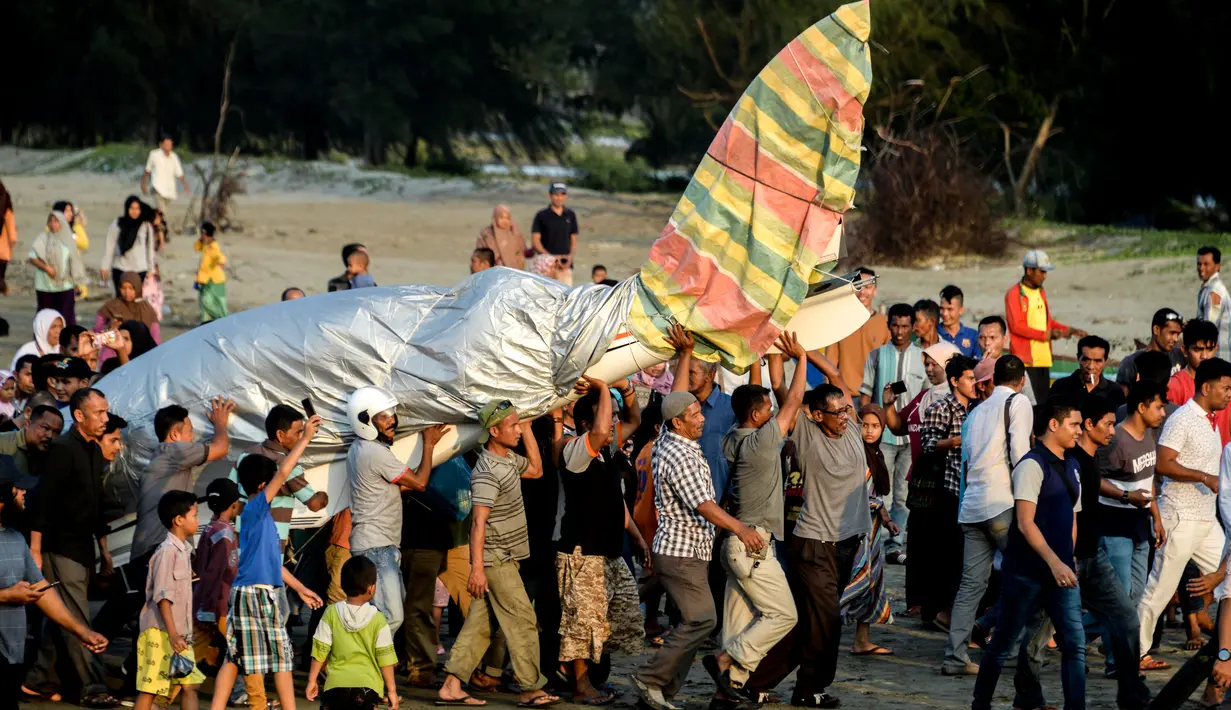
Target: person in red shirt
1200, 344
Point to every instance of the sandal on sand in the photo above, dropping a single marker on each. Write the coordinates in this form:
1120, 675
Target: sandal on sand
596, 701
484, 682
874, 651
462, 702
31, 696
540, 701
1153, 664
1193, 644
99, 701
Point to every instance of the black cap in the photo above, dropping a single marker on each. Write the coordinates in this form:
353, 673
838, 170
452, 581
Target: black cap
220, 494
557, 187
10, 474
71, 367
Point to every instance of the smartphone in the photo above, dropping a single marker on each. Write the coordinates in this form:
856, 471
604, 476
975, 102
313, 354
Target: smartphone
51, 586
898, 387
107, 337
308, 408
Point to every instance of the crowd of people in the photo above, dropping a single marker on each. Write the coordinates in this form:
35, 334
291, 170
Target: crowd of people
1027, 512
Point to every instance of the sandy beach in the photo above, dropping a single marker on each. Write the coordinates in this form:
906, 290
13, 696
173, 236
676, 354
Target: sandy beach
421, 231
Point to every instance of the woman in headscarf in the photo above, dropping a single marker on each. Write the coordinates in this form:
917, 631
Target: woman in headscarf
865, 601
909, 422
128, 306
130, 243
8, 235
58, 268
504, 239
47, 326
133, 340
76, 218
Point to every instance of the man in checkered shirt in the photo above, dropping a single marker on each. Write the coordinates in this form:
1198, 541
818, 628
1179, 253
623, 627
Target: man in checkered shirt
687, 516
942, 423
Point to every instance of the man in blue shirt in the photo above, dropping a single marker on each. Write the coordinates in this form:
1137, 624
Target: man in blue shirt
952, 308
1039, 570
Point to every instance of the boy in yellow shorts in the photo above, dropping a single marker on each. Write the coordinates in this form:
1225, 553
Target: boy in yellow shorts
167, 614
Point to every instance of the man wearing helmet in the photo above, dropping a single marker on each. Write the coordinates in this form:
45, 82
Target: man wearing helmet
377, 479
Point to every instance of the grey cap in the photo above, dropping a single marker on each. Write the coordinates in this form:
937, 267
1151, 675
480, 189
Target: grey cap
675, 403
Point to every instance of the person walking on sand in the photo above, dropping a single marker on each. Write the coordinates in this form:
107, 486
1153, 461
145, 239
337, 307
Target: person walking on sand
162, 169
211, 277
554, 237
8, 236
58, 268
499, 540
1212, 298
504, 238
1031, 323
130, 243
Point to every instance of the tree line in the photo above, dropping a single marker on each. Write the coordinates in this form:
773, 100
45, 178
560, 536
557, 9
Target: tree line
1092, 110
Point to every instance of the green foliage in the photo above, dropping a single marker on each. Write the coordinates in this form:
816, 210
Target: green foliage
609, 172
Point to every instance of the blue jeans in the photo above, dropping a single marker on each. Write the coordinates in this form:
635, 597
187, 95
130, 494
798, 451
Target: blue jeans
1103, 595
897, 460
390, 594
1131, 563
1021, 597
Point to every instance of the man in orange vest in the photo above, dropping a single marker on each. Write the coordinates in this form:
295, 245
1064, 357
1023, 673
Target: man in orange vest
1031, 325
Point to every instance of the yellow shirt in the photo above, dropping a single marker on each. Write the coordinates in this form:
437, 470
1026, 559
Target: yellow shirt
83, 240
212, 261
1036, 317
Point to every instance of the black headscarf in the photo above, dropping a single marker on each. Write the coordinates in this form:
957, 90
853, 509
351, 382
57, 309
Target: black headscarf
129, 227
139, 334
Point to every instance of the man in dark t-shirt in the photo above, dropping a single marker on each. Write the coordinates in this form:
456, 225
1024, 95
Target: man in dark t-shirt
1102, 591
555, 232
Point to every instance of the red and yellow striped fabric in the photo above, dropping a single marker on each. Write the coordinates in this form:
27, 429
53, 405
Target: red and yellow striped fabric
764, 209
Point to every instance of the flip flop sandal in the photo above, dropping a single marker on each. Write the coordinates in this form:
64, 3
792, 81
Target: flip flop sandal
609, 688
874, 651
1153, 664
542, 701
99, 701
31, 696
484, 682
597, 701
463, 702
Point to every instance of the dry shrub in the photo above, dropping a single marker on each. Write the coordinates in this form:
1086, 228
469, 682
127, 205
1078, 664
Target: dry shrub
929, 202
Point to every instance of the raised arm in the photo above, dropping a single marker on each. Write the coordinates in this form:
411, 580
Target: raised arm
535, 459
789, 405
683, 342
632, 410
417, 479
832, 376
220, 415
291, 460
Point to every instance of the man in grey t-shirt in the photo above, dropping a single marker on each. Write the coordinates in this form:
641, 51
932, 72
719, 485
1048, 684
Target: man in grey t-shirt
760, 610
377, 479
833, 519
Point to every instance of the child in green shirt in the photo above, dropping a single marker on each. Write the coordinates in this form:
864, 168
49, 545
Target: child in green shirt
353, 638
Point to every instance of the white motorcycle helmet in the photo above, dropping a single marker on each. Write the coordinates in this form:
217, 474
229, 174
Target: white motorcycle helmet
363, 405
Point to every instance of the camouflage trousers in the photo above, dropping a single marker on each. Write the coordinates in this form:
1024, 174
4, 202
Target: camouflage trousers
600, 607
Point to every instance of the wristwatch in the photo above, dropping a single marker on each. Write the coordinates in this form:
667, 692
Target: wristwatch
1224, 655
1124, 497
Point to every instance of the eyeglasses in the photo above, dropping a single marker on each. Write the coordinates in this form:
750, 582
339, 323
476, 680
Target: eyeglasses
840, 412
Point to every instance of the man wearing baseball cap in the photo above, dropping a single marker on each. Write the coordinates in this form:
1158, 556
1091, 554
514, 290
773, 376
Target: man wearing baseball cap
1030, 321
1165, 332
555, 231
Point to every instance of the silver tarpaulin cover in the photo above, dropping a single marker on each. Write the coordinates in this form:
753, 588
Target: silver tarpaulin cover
442, 352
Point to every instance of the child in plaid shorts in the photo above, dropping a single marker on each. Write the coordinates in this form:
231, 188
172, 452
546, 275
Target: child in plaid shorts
257, 640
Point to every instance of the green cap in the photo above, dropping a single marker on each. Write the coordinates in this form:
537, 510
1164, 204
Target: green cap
493, 414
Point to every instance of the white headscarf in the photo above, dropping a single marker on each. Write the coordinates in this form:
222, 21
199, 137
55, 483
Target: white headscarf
942, 353
43, 320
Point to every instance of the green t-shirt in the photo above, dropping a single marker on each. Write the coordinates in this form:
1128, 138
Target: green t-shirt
356, 643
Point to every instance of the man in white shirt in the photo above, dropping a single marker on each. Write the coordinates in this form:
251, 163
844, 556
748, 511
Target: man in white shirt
1189, 453
164, 167
997, 436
